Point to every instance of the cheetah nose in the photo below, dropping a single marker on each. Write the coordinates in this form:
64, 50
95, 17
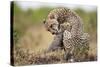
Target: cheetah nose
53, 33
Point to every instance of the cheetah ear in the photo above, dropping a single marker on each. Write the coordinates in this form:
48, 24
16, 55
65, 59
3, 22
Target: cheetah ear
66, 24
52, 17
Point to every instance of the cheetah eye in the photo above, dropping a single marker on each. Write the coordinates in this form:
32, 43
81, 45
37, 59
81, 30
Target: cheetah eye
51, 26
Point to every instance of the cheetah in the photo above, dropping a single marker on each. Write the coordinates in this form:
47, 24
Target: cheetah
67, 27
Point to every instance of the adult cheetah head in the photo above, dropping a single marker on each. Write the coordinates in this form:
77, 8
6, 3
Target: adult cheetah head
51, 24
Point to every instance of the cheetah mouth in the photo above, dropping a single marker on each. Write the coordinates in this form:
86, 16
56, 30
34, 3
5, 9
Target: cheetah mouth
53, 31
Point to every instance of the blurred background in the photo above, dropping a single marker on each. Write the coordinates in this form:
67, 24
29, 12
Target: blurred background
29, 32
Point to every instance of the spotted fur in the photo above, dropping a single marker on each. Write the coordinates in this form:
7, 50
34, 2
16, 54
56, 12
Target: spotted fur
69, 25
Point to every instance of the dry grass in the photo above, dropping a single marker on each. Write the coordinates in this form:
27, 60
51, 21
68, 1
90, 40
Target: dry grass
24, 57
31, 49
